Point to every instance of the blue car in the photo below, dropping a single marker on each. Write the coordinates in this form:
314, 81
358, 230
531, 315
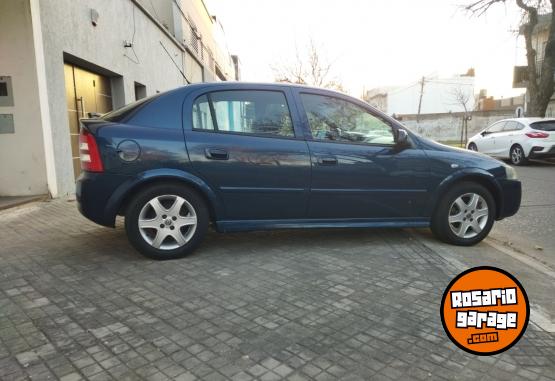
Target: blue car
242, 156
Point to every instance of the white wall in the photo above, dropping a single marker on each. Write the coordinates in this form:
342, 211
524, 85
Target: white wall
447, 127
67, 28
438, 96
22, 159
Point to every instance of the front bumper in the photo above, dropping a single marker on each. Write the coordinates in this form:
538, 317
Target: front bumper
511, 194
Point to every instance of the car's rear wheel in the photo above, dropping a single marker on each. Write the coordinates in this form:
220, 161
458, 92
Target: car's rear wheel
465, 214
166, 221
517, 155
473, 147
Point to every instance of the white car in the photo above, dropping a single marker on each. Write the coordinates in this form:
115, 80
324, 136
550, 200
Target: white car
517, 139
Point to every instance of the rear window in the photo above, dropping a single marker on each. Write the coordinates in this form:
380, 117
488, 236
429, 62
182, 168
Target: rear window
544, 126
123, 114
158, 111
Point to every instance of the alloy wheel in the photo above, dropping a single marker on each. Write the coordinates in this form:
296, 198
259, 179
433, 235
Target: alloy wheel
517, 155
468, 215
167, 222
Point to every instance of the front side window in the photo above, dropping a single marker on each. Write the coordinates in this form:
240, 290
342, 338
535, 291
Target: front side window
248, 112
497, 127
338, 120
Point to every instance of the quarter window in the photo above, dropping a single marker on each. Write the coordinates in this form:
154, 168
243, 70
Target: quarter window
248, 112
338, 120
202, 118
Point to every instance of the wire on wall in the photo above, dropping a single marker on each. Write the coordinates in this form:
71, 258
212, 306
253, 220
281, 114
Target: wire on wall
175, 63
131, 45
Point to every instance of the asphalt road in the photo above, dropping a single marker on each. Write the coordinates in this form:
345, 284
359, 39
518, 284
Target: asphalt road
532, 229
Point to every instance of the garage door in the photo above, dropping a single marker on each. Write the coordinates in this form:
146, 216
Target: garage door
85, 92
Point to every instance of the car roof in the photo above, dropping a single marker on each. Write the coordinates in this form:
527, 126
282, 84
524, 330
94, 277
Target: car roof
529, 121
240, 84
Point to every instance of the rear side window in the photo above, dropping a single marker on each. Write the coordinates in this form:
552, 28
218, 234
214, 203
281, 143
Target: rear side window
511, 125
242, 111
544, 126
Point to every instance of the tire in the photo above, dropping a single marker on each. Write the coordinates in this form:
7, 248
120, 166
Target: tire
473, 147
173, 218
444, 220
517, 156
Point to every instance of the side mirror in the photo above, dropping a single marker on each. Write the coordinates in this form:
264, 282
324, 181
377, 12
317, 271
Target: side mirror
94, 114
402, 138
484, 133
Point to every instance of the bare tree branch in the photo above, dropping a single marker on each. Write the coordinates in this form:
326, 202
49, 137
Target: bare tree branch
540, 82
309, 69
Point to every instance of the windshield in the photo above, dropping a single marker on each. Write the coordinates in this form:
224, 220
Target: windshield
128, 110
548, 125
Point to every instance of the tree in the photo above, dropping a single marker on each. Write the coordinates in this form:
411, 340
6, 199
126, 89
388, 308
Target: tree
540, 83
312, 69
461, 98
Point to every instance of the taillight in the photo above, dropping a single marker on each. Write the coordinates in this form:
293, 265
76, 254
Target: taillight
537, 134
90, 156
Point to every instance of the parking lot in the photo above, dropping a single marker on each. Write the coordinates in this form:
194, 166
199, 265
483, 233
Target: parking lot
76, 301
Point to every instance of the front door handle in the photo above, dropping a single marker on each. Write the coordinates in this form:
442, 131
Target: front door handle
216, 154
329, 160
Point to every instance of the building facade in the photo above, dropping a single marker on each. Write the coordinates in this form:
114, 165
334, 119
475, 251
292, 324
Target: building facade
62, 60
377, 97
430, 95
433, 96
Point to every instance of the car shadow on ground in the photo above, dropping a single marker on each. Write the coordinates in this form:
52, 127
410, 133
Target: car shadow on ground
239, 243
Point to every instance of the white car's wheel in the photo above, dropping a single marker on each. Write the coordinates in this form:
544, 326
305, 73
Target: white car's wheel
517, 155
473, 147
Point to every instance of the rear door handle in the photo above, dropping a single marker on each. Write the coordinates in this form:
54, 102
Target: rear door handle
216, 154
330, 160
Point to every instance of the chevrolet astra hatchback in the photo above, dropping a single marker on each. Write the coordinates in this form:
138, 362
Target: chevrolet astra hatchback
267, 156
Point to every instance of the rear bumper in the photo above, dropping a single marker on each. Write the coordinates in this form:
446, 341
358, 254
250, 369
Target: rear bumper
545, 153
96, 195
511, 193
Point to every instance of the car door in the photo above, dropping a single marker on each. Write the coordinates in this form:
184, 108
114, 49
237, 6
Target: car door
245, 145
357, 170
487, 143
505, 138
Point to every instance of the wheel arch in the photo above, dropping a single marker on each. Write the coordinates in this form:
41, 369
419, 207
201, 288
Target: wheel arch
479, 176
119, 201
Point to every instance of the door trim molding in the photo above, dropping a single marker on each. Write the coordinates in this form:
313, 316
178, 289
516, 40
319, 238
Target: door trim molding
246, 225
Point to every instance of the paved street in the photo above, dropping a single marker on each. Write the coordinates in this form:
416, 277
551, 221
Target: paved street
77, 302
534, 225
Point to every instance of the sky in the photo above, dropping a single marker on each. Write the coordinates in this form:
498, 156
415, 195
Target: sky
376, 43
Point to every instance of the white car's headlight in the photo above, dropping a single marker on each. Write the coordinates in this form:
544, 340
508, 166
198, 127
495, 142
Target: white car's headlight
511, 173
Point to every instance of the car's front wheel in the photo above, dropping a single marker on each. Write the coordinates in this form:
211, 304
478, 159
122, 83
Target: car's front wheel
166, 221
465, 215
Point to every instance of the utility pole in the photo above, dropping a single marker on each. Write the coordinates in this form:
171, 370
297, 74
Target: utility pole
420, 100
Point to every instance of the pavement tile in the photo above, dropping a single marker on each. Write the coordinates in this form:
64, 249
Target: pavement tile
77, 302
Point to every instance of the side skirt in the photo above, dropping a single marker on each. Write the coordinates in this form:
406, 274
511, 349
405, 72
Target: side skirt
248, 225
